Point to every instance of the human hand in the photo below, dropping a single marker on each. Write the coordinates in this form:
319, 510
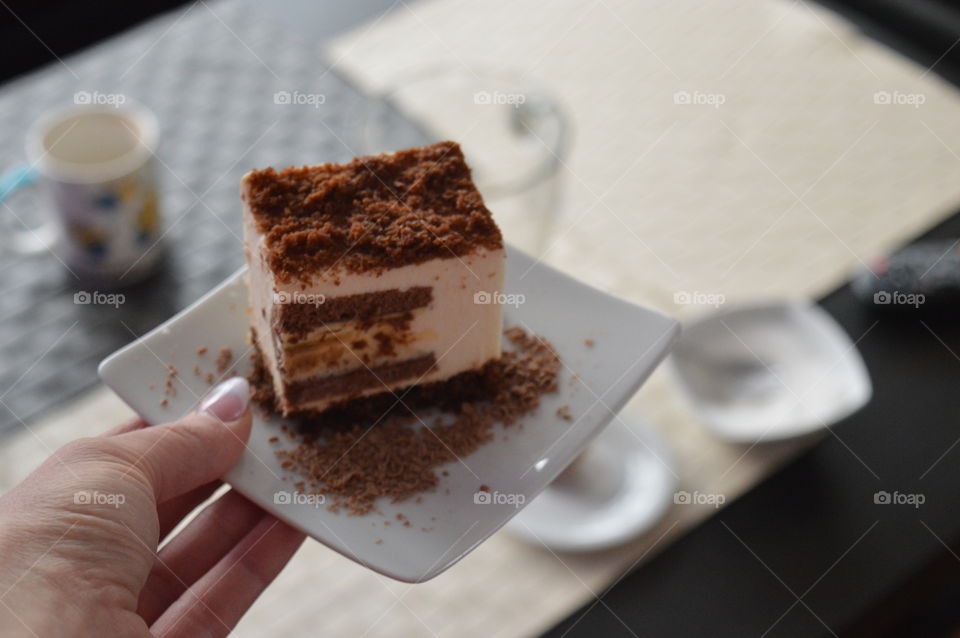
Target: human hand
79, 536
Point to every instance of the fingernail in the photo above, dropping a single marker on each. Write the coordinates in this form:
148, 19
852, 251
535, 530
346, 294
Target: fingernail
228, 401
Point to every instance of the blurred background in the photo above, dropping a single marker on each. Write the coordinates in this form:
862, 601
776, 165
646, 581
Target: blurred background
698, 158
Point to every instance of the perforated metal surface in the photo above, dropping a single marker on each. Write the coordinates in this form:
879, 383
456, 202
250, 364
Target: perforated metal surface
214, 74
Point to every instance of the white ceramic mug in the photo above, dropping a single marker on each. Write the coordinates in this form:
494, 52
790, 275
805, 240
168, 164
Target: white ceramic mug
97, 168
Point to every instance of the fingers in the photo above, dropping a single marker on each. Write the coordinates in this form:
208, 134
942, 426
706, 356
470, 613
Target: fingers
217, 601
181, 456
172, 512
136, 423
196, 549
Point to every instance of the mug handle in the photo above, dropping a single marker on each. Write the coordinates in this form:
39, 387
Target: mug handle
26, 241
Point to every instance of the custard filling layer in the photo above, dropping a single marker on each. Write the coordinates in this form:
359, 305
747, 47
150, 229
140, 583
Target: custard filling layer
348, 345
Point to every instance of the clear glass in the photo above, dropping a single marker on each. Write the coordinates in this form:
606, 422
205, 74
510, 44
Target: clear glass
513, 133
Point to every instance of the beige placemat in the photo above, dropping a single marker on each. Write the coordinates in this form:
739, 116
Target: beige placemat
801, 173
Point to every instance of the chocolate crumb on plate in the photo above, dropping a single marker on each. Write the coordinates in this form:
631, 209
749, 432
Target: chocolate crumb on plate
564, 413
399, 459
588, 342
202, 350
169, 389
224, 358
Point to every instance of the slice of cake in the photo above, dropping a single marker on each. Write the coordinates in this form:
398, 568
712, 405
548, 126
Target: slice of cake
371, 276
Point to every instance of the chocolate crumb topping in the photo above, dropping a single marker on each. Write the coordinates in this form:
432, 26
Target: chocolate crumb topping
370, 214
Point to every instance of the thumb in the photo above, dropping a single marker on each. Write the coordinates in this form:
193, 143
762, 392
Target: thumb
197, 449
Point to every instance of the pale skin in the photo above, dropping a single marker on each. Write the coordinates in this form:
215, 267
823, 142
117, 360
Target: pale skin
79, 536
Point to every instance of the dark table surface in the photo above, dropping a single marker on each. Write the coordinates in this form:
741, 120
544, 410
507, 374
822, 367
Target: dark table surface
807, 552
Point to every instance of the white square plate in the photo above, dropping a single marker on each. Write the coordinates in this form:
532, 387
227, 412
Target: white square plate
595, 382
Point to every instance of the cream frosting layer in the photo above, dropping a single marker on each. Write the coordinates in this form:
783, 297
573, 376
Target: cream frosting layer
460, 327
